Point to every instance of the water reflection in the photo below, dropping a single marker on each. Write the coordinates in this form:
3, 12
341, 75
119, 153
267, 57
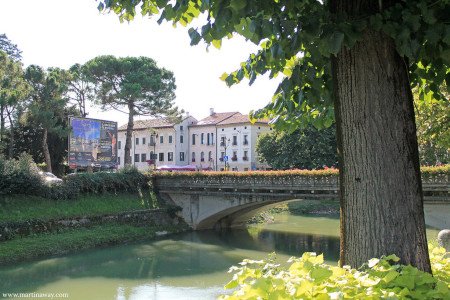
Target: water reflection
193, 263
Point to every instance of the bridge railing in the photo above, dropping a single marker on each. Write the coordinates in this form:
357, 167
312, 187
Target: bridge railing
436, 186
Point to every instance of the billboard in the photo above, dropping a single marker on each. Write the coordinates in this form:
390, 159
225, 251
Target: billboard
92, 142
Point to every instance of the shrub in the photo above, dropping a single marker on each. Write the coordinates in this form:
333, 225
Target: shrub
309, 278
20, 176
128, 179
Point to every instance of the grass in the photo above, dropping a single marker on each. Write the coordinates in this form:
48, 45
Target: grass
67, 241
22, 207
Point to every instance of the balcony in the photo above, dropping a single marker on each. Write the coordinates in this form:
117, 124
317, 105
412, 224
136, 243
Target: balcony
245, 143
202, 159
193, 160
234, 158
152, 143
234, 144
245, 158
222, 144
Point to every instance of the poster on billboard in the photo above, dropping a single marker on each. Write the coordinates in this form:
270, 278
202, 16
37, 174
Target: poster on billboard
93, 143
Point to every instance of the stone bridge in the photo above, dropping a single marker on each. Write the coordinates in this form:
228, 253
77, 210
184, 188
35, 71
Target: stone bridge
212, 200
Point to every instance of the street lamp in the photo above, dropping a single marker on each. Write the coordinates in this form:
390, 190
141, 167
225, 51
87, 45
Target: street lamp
153, 137
225, 143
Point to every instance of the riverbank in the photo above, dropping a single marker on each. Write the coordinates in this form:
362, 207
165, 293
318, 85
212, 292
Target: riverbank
33, 227
328, 208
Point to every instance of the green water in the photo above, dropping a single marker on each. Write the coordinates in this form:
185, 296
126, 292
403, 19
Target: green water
186, 266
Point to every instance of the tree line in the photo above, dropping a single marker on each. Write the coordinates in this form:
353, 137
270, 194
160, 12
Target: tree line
35, 103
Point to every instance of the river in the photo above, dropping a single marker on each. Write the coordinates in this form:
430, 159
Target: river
191, 265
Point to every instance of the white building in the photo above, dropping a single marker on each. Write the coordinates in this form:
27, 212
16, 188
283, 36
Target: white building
203, 140
220, 141
237, 142
157, 141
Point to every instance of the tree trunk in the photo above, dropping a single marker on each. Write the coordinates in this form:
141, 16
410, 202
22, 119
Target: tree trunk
48, 160
128, 141
11, 136
380, 185
2, 122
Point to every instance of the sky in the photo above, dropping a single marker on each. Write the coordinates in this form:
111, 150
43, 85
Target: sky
60, 33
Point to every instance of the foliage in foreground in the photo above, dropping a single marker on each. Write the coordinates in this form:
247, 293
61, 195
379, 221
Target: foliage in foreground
309, 278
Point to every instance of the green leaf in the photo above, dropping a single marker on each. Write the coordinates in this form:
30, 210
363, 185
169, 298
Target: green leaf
217, 43
320, 274
237, 5
335, 42
195, 36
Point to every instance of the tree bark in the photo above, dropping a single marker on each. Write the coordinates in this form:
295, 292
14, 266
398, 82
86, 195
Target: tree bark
2, 122
11, 135
128, 141
380, 185
48, 160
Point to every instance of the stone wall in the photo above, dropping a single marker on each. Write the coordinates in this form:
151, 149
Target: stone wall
153, 218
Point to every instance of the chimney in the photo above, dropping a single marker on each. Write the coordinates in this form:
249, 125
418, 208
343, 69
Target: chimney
211, 111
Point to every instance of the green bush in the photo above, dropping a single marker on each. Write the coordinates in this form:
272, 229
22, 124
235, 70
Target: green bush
128, 179
309, 278
20, 176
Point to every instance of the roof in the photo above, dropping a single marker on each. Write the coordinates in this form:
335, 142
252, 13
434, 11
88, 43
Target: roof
240, 119
150, 123
215, 118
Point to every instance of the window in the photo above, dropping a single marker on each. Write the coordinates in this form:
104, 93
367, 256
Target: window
210, 156
234, 157
222, 141
202, 156
181, 156
181, 128
152, 140
245, 157
245, 139
170, 156
120, 145
170, 139
202, 138
152, 156
161, 139
181, 139
143, 141
222, 154
207, 139
136, 141
143, 157
161, 157
193, 156
212, 138
118, 160
234, 140
193, 138
136, 158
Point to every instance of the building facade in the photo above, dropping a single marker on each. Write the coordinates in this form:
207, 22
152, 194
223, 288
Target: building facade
221, 141
156, 142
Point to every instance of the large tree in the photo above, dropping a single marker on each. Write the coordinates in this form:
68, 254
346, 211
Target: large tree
433, 129
134, 85
307, 148
80, 89
355, 60
11, 49
47, 105
13, 90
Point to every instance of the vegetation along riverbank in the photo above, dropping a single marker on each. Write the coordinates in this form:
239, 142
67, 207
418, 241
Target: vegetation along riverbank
85, 211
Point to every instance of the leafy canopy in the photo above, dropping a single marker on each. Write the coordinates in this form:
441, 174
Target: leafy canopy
302, 149
297, 39
132, 81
